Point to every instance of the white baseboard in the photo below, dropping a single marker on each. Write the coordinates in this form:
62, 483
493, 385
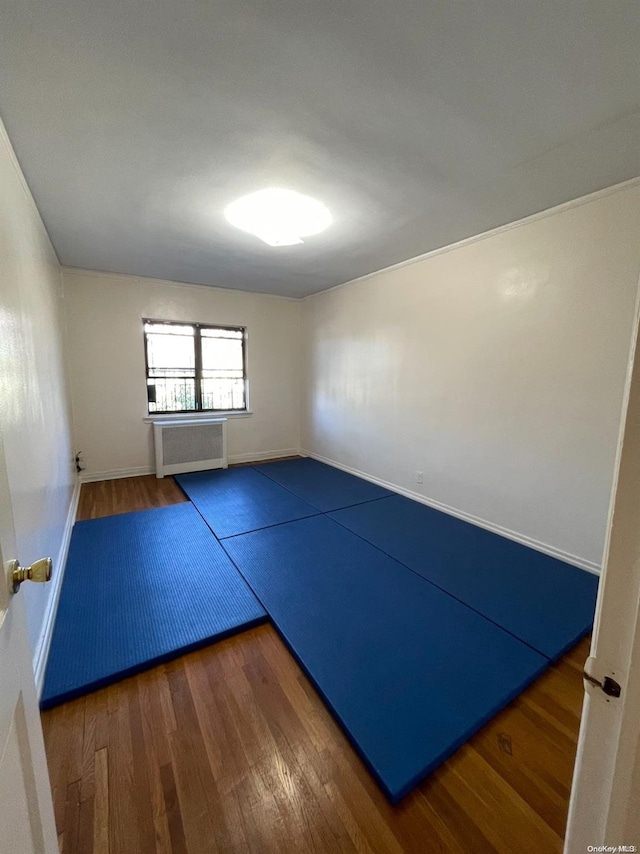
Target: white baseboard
567, 557
93, 477
251, 457
259, 456
41, 653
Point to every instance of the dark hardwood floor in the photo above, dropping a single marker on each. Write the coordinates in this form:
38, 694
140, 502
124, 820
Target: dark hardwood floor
229, 749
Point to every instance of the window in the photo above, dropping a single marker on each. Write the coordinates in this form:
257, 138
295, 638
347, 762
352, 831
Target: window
195, 368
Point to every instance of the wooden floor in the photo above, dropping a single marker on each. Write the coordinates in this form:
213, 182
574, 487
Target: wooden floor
229, 749
108, 497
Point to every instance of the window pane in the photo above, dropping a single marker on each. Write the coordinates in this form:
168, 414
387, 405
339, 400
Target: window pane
172, 394
222, 353
223, 393
222, 333
170, 352
169, 329
223, 373
188, 373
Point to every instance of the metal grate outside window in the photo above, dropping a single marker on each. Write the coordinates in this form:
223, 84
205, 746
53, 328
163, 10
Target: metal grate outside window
192, 367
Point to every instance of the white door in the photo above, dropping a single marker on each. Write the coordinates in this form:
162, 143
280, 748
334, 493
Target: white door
26, 810
605, 799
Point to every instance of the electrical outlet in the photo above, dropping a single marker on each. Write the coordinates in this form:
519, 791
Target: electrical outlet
419, 477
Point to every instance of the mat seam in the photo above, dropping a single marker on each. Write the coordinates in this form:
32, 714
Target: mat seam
326, 513
442, 590
253, 530
267, 527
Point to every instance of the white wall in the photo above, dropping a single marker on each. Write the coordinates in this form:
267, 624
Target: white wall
496, 367
107, 369
35, 406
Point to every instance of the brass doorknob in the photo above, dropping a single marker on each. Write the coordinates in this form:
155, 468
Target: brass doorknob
38, 571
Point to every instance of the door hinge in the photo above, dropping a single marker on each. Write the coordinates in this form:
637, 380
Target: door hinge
607, 685
610, 687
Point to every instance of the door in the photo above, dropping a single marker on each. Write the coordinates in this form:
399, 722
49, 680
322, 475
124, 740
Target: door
26, 809
605, 798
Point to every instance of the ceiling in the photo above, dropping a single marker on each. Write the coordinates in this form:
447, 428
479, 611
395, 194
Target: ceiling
417, 122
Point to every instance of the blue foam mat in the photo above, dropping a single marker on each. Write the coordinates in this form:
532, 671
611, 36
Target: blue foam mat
323, 486
545, 602
138, 589
410, 672
235, 501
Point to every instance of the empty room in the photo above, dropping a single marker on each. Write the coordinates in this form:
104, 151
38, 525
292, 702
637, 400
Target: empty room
319, 427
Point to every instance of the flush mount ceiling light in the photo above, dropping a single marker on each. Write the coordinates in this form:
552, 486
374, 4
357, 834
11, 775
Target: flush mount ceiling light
279, 217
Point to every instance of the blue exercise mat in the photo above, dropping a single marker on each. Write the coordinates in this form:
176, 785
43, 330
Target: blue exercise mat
410, 672
140, 588
235, 501
323, 486
545, 602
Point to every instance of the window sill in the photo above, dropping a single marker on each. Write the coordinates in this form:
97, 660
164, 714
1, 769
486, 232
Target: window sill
195, 416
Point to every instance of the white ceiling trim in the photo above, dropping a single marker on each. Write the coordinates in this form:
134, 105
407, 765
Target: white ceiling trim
127, 277
501, 229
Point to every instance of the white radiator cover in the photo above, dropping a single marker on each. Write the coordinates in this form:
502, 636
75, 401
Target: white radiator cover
190, 444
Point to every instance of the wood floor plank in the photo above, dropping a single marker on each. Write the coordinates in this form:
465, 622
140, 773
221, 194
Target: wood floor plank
87, 770
153, 833
172, 810
356, 808
155, 730
508, 822
154, 752
101, 804
523, 754
205, 827
289, 773
314, 717
123, 819
455, 823
99, 709
72, 819
351, 825
262, 820
230, 749
85, 828
64, 755
224, 745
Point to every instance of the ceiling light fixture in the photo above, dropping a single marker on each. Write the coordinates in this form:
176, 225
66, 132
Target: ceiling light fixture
279, 217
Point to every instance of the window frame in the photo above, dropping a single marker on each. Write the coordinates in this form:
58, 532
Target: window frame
197, 366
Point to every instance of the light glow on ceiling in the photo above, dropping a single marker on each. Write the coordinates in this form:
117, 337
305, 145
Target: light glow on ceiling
278, 217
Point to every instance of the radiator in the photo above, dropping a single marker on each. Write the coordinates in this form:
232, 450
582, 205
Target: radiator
190, 445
